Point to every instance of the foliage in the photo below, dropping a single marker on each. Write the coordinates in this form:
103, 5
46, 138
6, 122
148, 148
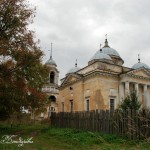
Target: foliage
22, 73
130, 102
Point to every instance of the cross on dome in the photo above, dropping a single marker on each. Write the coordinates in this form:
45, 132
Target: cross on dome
76, 63
100, 47
51, 50
139, 58
106, 42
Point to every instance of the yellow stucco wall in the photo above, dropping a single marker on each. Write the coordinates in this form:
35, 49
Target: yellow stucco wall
95, 88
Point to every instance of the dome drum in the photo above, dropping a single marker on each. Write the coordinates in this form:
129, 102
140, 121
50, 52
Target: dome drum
117, 60
101, 60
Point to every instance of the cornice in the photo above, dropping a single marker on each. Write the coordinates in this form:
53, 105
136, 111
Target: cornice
135, 76
90, 75
99, 73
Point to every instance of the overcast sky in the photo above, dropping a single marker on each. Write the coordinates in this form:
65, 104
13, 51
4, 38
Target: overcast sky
77, 27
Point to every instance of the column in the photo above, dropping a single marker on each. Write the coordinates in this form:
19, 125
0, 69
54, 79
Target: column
145, 95
127, 88
121, 91
137, 89
57, 78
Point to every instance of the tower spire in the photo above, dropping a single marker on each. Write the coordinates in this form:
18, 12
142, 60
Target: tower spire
139, 58
76, 63
106, 42
51, 50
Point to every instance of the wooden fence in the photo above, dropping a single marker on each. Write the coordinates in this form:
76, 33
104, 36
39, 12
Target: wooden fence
131, 124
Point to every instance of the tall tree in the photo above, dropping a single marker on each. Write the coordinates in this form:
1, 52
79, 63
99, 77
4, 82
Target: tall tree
22, 74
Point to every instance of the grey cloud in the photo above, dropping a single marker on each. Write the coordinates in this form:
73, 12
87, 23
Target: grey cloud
77, 27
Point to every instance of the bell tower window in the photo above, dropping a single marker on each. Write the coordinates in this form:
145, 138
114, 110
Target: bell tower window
52, 77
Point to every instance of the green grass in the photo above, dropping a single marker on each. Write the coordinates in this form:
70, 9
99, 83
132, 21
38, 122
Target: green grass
51, 138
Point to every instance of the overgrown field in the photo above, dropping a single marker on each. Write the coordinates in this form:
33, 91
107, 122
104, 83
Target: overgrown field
51, 138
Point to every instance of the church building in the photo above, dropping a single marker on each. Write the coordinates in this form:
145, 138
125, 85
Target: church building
103, 83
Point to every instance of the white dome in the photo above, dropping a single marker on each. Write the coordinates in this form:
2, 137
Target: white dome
140, 65
100, 55
110, 51
74, 69
51, 62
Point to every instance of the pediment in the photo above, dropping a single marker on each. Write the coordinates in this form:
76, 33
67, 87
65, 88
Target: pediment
140, 72
70, 79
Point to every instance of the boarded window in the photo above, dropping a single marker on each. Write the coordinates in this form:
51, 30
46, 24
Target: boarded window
112, 105
71, 105
62, 106
88, 105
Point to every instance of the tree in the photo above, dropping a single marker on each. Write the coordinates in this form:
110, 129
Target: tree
22, 74
131, 102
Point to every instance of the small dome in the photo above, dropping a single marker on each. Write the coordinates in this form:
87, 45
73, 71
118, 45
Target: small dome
73, 70
51, 62
100, 56
110, 51
140, 65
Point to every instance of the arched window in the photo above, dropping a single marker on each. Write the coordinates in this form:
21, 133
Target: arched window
52, 77
52, 98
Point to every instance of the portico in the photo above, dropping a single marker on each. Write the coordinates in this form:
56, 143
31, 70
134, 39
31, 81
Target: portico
142, 90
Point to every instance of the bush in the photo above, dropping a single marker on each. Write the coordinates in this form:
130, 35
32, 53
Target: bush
130, 102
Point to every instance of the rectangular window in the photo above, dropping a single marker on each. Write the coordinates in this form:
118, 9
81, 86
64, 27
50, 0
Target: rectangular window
71, 105
87, 105
52, 109
62, 106
112, 105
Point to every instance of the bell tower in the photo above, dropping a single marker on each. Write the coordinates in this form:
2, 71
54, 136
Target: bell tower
51, 87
